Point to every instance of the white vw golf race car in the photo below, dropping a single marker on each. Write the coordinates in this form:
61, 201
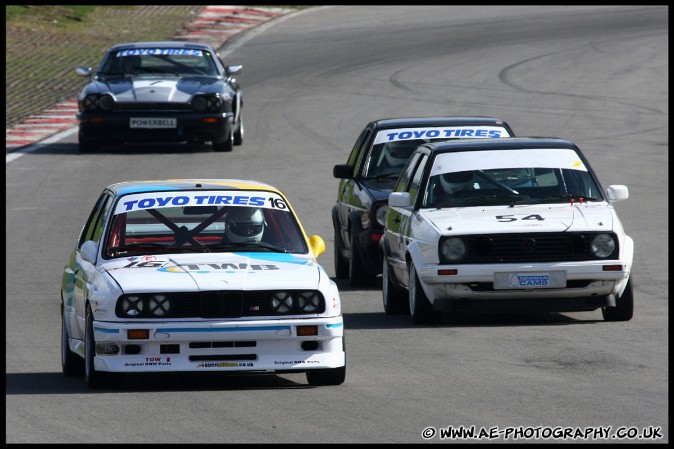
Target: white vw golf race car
198, 275
504, 225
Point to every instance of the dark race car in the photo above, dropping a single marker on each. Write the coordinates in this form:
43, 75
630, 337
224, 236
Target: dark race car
160, 92
375, 162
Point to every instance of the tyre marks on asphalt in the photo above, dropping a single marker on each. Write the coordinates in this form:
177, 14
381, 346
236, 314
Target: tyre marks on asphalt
214, 26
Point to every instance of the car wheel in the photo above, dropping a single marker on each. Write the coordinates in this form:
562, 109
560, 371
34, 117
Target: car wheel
71, 363
357, 272
394, 297
238, 134
421, 309
93, 378
226, 145
341, 265
86, 144
326, 376
624, 309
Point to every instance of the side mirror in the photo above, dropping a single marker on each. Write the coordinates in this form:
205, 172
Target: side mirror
343, 171
89, 251
399, 199
83, 71
617, 193
233, 69
317, 245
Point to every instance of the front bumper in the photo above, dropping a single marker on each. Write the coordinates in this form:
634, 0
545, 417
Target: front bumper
114, 127
269, 345
579, 281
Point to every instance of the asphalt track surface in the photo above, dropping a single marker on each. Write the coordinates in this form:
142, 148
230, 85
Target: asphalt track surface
597, 75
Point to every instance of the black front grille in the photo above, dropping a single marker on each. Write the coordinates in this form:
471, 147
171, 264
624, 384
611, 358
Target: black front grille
153, 106
532, 247
214, 304
221, 305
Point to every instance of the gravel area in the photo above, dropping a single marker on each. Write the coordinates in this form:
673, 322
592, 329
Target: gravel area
41, 57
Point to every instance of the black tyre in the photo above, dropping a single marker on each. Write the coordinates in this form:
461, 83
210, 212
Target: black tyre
226, 145
358, 274
341, 265
624, 309
326, 376
395, 300
71, 363
420, 307
238, 134
95, 379
86, 144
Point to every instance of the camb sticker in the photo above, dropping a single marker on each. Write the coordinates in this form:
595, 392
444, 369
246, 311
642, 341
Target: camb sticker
513, 281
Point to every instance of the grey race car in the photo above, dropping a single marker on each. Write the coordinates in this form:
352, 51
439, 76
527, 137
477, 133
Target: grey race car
160, 92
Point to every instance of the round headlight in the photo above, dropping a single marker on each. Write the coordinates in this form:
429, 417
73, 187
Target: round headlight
106, 102
309, 302
602, 245
282, 302
452, 249
90, 102
214, 103
198, 103
159, 305
380, 215
132, 306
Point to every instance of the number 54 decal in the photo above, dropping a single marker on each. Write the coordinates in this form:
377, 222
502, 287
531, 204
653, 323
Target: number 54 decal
508, 218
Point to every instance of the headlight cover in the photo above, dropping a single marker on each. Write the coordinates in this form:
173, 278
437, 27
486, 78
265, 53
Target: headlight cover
452, 250
98, 102
603, 245
309, 302
282, 302
159, 305
207, 103
132, 306
380, 214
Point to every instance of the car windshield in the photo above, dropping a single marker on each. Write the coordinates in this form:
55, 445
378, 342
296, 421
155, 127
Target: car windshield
388, 159
393, 147
480, 180
204, 221
159, 61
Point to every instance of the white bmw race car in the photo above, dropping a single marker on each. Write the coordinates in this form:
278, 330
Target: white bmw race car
198, 275
504, 225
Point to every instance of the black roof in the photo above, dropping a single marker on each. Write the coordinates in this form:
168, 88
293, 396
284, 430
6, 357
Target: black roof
437, 121
504, 143
165, 44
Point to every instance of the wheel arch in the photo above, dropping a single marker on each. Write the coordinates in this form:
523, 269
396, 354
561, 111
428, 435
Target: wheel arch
413, 254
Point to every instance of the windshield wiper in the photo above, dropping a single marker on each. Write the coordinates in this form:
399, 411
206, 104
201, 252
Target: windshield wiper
565, 198
158, 70
494, 199
486, 200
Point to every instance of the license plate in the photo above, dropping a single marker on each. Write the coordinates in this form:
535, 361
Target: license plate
153, 123
524, 280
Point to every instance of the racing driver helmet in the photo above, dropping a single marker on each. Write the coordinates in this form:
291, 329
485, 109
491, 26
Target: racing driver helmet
460, 180
244, 224
397, 153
